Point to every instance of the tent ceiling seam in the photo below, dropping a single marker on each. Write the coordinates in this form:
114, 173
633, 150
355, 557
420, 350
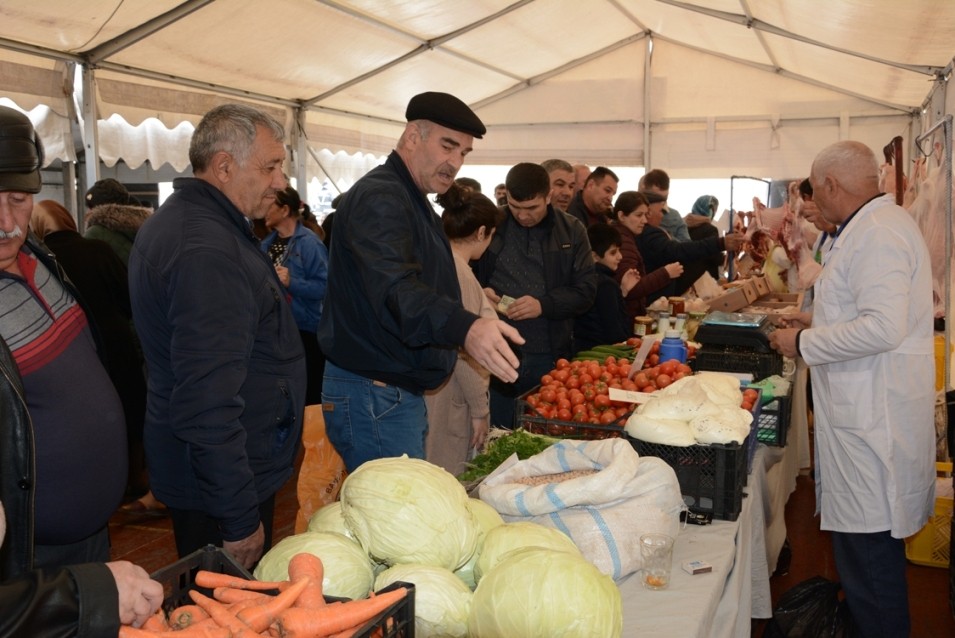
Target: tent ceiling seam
759, 35
131, 37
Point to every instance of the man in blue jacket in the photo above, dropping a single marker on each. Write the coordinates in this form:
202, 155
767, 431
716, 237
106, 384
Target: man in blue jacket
225, 361
393, 319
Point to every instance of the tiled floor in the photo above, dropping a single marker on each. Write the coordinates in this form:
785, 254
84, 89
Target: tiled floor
146, 539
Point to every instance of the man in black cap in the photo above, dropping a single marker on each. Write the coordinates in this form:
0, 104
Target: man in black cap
63, 458
393, 320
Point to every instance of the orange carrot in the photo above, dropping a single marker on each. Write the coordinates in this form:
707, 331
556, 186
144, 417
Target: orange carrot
156, 622
211, 580
308, 566
221, 614
210, 631
232, 595
186, 616
297, 622
261, 616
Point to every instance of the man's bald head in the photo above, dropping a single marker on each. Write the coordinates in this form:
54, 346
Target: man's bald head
845, 175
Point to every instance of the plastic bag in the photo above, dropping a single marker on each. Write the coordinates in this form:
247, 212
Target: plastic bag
322, 472
811, 609
627, 496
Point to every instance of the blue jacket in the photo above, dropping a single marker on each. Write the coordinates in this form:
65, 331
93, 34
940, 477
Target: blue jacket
307, 262
393, 310
225, 362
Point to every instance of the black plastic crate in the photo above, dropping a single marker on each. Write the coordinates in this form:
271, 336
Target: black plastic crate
734, 359
773, 424
178, 580
711, 476
526, 417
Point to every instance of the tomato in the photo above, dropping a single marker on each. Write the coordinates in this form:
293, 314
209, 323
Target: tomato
608, 417
544, 411
750, 395
622, 411
562, 364
746, 405
655, 348
561, 375
611, 369
572, 382
563, 403
564, 414
581, 417
548, 395
610, 360
653, 359
669, 367
628, 385
641, 380
533, 400
578, 408
634, 341
585, 378
589, 393
576, 398
547, 379
601, 401
685, 369
679, 374
601, 388
663, 380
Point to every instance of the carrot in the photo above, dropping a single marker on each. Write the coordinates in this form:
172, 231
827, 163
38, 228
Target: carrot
186, 616
232, 595
156, 622
221, 614
261, 616
211, 580
310, 567
297, 622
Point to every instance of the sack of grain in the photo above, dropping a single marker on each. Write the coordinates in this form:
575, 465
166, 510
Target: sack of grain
600, 493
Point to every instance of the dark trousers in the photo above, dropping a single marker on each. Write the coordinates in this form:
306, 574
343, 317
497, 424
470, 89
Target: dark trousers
504, 395
314, 368
872, 572
194, 529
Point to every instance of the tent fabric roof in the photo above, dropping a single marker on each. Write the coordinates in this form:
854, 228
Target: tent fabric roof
764, 81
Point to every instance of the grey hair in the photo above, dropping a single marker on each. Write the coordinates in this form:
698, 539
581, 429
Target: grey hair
424, 130
850, 163
230, 128
552, 165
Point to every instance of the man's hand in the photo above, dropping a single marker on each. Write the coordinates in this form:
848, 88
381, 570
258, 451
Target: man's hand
249, 549
525, 307
783, 341
674, 270
732, 241
486, 341
794, 320
139, 595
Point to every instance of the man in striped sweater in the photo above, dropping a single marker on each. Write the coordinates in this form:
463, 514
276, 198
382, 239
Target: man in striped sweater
63, 457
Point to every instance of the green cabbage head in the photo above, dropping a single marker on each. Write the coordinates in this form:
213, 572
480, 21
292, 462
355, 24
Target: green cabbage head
406, 510
441, 600
487, 518
543, 593
510, 536
348, 571
329, 519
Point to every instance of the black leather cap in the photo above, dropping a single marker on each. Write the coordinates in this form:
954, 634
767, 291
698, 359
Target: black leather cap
21, 153
446, 110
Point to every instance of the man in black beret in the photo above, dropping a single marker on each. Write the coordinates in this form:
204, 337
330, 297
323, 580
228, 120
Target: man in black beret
393, 321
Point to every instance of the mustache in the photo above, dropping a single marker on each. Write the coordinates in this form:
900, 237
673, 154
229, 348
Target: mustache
16, 233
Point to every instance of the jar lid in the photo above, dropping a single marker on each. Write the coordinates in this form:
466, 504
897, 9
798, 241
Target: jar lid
672, 334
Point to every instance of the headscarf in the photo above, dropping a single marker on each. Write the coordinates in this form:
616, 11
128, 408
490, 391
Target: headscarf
705, 206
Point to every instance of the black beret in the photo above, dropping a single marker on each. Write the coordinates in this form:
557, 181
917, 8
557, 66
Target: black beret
446, 110
21, 153
109, 191
653, 197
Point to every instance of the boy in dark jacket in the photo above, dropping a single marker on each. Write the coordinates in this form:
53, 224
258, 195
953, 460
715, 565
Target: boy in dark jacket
607, 320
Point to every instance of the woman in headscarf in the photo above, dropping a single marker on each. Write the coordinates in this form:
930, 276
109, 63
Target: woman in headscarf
699, 223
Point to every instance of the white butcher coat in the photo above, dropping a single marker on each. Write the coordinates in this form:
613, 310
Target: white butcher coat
871, 352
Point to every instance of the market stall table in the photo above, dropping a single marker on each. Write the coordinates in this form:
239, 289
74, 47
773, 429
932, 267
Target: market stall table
743, 554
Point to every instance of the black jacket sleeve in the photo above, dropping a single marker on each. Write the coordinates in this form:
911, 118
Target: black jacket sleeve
81, 600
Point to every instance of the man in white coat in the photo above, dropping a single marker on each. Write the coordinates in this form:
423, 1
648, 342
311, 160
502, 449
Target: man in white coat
869, 345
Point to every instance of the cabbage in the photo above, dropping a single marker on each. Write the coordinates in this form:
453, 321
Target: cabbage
511, 536
348, 571
441, 600
405, 510
537, 593
486, 518
329, 519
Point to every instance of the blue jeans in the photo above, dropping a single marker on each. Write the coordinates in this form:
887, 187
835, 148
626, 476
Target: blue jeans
872, 572
367, 419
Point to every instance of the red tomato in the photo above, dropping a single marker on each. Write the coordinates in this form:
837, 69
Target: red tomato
585, 378
602, 401
641, 379
750, 395
547, 379
576, 398
610, 360
564, 414
562, 364
589, 393
622, 411
611, 369
544, 411
653, 359
634, 341
563, 404
669, 367
533, 400
572, 381
685, 369
581, 417
655, 348
628, 385
579, 408
679, 374
561, 375
601, 388
548, 395
663, 380
746, 405
608, 417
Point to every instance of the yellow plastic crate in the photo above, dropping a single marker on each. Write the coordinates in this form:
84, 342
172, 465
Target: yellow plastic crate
932, 545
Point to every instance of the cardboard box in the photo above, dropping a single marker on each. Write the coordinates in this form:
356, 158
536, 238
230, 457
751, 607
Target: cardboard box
739, 296
762, 285
776, 301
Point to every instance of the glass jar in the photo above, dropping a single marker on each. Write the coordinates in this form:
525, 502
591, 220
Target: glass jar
642, 325
677, 305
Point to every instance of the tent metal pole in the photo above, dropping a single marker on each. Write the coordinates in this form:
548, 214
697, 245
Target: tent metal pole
90, 132
298, 144
647, 155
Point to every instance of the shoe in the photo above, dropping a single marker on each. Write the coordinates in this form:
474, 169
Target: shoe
144, 504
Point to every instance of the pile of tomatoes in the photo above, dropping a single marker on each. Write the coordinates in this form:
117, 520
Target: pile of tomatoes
578, 392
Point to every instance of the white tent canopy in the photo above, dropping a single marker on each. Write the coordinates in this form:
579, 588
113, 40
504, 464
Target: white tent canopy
708, 88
